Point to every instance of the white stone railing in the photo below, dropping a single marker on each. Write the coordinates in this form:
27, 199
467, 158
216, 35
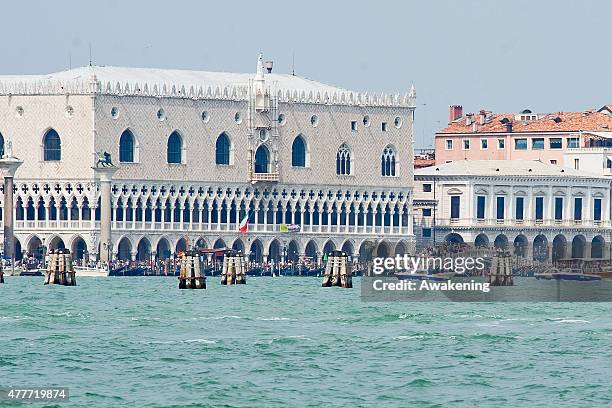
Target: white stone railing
492, 222
151, 226
263, 176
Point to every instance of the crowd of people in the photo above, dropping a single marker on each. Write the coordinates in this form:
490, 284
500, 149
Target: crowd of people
171, 265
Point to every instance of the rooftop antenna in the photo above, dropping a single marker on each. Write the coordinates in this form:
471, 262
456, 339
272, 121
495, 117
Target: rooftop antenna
293, 63
90, 54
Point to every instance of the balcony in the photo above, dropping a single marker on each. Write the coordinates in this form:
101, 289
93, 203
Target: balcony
205, 226
492, 222
266, 177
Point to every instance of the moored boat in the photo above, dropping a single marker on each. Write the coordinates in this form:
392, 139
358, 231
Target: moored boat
423, 275
571, 275
84, 272
31, 272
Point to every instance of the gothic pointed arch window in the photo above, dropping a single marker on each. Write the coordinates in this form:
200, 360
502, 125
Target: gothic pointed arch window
126, 147
387, 162
343, 160
1, 145
223, 150
175, 148
262, 160
52, 146
299, 152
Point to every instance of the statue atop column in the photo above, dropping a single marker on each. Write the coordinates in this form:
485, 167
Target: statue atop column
8, 150
104, 160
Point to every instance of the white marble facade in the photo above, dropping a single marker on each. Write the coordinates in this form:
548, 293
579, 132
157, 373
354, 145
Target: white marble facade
159, 207
549, 210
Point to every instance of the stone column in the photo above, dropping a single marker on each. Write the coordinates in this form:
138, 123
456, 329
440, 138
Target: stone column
105, 176
8, 166
172, 220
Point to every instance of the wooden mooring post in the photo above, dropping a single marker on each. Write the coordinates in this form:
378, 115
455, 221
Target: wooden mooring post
337, 271
59, 270
501, 269
233, 272
190, 274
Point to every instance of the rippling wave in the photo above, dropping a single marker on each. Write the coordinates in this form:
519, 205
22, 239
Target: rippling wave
278, 342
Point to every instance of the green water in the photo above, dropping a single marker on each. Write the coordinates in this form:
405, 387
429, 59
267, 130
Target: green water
279, 342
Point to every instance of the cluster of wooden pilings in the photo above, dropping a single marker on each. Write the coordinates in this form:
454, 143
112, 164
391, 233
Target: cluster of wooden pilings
190, 275
1, 274
501, 269
233, 272
59, 269
337, 271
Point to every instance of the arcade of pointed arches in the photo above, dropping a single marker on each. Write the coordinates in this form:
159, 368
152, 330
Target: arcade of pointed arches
188, 208
259, 248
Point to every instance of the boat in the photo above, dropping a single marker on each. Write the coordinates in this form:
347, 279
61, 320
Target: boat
311, 271
84, 272
8, 272
423, 275
31, 272
256, 271
571, 275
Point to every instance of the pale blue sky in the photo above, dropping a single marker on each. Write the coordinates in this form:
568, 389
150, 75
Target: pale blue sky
504, 56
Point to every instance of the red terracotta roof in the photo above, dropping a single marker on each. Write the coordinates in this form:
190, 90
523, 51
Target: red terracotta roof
567, 122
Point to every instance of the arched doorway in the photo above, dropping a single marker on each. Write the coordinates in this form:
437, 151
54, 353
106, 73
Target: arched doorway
262, 160
597, 247
124, 249
501, 242
540, 248
383, 250
311, 250
366, 250
520, 245
293, 252
578, 244
79, 248
163, 249
328, 247
400, 248
348, 248
454, 238
201, 243
56, 243
36, 248
274, 251
481, 241
143, 250
238, 245
256, 250
559, 248
181, 246
219, 244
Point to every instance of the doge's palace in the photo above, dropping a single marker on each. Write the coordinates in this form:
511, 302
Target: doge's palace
313, 167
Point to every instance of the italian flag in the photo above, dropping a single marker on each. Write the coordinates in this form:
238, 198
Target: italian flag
244, 224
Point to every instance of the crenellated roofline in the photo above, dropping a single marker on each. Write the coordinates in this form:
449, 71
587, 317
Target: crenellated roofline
166, 90
118, 81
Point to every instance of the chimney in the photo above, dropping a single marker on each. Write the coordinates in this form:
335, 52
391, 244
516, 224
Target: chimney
454, 112
508, 127
268, 65
469, 119
482, 116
